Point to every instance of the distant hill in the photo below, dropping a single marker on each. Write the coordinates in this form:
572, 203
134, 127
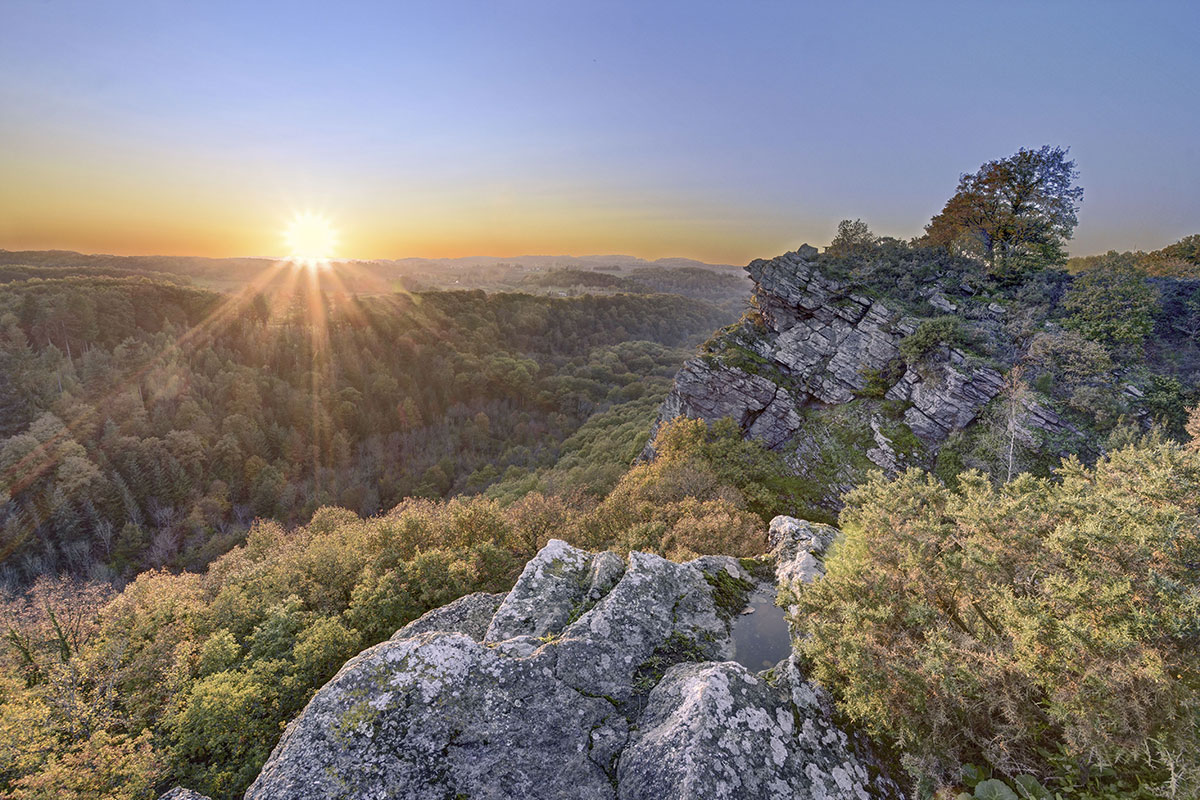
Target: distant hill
482, 272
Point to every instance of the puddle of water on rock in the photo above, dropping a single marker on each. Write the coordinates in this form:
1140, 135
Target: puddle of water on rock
761, 640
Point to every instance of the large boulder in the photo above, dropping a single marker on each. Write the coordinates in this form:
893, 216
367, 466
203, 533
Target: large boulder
596, 678
716, 731
441, 715
552, 590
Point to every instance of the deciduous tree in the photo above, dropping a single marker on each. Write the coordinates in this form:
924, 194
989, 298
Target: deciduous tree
1017, 213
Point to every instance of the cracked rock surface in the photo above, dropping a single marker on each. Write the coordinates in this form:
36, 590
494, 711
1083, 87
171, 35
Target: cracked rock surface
595, 677
817, 342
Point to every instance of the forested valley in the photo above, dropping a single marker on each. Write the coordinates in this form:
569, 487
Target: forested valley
145, 423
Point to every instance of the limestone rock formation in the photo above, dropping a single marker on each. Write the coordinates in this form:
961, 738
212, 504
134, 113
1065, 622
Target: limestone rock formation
594, 678
816, 371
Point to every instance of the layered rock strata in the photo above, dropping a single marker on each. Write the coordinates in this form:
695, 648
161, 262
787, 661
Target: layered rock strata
818, 343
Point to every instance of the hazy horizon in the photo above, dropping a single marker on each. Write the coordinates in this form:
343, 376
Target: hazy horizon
339, 259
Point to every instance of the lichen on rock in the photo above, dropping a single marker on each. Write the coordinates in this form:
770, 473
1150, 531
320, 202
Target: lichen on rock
633, 697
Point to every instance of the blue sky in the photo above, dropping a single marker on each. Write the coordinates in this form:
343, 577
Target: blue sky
722, 131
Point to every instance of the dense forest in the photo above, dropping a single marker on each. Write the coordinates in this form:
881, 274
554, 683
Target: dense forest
147, 423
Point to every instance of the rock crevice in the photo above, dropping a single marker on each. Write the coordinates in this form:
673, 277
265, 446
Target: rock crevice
815, 346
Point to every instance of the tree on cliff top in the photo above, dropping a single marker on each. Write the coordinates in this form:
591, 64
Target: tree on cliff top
1016, 212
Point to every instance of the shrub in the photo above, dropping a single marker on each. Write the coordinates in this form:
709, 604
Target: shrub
930, 335
1167, 401
877, 382
760, 475
1112, 303
1069, 355
1010, 623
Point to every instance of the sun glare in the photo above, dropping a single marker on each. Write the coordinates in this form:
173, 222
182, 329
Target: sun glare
311, 239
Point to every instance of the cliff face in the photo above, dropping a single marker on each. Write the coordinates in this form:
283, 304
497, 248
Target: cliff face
595, 677
817, 370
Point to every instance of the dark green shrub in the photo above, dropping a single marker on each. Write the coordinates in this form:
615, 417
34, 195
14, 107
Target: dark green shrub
1168, 400
1112, 303
930, 335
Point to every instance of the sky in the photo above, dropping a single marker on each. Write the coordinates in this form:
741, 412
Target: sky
718, 131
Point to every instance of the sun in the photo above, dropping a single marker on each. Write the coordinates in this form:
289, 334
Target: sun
311, 239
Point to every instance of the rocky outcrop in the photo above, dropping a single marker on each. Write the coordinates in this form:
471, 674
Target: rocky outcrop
826, 336
798, 546
469, 615
595, 677
822, 353
947, 401
706, 389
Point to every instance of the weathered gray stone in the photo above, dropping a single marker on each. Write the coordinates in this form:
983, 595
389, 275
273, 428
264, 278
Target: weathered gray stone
558, 581
437, 716
592, 708
709, 391
798, 547
945, 398
883, 454
778, 422
655, 600
717, 732
816, 342
179, 793
942, 303
824, 337
470, 614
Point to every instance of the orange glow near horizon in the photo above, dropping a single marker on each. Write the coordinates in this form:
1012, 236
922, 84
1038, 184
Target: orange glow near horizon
216, 223
702, 246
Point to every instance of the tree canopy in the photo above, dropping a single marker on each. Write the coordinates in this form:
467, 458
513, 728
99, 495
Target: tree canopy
1017, 213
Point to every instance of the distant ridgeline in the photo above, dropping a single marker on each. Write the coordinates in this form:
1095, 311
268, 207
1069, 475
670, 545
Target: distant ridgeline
145, 422
721, 284
892, 355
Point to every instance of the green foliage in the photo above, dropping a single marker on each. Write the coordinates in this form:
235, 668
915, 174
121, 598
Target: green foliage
1009, 623
879, 381
900, 272
1112, 303
209, 667
227, 727
947, 331
1067, 356
676, 649
1067, 784
144, 424
853, 238
1167, 400
1178, 260
993, 789
729, 593
759, 474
